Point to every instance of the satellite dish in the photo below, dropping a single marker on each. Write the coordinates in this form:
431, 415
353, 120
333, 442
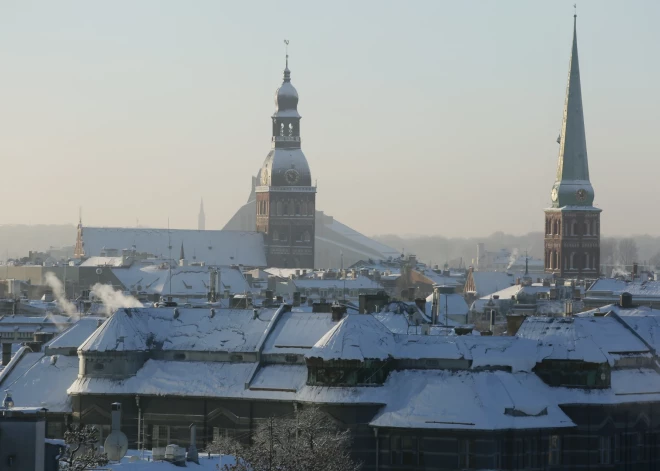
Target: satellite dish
116, 445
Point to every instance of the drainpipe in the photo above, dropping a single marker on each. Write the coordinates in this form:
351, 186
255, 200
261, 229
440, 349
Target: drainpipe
377, 448
137, 402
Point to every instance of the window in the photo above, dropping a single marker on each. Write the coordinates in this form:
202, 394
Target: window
279, 208
607, 449
304, 208
276, 235
406, 450
466, 454
554, 450
306, 236
160, 435
297, 209
286, 209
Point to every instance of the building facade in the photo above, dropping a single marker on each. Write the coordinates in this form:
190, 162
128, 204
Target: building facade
285, 197
572, 223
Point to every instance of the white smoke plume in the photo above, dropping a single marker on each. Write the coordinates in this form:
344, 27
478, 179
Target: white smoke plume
113, 300
64, 304
512, 258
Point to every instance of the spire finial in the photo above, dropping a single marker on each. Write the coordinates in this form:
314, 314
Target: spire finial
575, 10
286, 49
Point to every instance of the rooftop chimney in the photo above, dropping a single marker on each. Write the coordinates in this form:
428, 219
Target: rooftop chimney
626, 300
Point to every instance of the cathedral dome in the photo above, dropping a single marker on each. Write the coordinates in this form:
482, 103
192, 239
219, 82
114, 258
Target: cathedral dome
286, 97
285, 167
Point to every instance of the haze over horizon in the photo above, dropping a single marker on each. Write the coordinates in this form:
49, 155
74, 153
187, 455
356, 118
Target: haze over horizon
436, 119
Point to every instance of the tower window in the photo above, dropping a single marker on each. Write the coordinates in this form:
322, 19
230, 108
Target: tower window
290, 129
279, 208
286, 209
281, 129
276, 235
306, 236
297, 209
304, 208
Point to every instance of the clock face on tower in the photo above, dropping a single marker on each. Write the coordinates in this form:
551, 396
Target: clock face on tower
292, 176
581, 194
554, 194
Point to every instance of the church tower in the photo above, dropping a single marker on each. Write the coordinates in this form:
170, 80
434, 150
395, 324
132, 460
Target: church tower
201, 218
572, 224
285, 197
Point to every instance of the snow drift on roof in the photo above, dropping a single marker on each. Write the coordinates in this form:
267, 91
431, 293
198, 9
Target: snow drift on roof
232, 330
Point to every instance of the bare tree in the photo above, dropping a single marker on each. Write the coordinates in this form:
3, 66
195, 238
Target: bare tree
307, 441
80, 453
627, 251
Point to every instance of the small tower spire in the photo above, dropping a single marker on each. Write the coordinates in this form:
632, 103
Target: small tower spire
182, 255
287, 72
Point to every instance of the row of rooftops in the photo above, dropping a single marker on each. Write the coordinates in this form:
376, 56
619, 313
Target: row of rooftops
485, 382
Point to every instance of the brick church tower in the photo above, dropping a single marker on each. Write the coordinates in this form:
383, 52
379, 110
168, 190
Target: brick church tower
285, 196
572, 224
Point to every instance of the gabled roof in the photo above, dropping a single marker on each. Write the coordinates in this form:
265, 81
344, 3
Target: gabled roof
489, 282
230, 330
585, 338
467, 400
213, 247
185, 281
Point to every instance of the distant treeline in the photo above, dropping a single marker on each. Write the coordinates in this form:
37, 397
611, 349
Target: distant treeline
439, 250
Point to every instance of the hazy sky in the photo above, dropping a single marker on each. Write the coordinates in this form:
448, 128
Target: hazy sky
420, 117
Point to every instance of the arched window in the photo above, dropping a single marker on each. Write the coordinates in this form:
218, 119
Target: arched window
573, 230
286, 209
276, 235
310, 210
306, 236
572, 261
297, 209
587, 228
559, 227
303, 209
290, 129
284, 236
281, 129
279, 208
586, 260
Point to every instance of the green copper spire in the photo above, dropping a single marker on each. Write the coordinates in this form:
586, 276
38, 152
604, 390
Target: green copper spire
572, 186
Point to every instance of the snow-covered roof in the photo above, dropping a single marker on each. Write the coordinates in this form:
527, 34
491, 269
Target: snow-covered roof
297, 332
103, 262
341, 235
642, 320
355, 337
75, 335
453, 304
614, 287
213, 247
364, 337
505, 294
585, 338
361, 282
229, 330
40, 380
186, 281
467, 400
488, 282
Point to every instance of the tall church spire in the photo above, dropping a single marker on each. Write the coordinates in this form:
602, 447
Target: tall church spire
201, 218
572, 186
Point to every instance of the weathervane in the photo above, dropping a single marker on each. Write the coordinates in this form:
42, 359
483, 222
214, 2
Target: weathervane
575, 9
286, 48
